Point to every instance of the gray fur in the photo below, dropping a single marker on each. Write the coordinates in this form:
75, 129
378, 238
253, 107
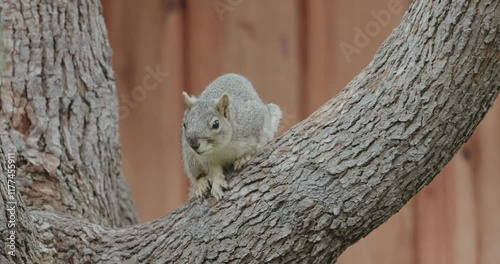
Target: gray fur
250, 124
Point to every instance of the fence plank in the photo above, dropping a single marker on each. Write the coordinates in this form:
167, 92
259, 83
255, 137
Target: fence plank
486, 169
176, 185
202, 41
320, 72
240, 40
148, 133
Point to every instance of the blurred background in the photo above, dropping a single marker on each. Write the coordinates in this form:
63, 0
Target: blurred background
297, 54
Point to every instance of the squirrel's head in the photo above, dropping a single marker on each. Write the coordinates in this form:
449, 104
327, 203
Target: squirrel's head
206, 125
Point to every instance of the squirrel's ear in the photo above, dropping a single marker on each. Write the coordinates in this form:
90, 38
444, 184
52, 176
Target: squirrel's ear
189, 101
223, 105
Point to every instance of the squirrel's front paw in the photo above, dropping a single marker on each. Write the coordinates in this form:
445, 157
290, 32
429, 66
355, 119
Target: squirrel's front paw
218, 184
200, 186
239, 163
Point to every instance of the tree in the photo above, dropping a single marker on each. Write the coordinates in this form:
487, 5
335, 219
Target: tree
306, 197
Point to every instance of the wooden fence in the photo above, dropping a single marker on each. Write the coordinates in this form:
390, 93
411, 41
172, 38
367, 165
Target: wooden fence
298, 54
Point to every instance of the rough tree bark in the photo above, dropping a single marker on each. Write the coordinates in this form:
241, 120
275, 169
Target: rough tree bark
306, 197
59, 110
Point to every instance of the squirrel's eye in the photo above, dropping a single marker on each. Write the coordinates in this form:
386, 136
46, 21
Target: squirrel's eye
184, 125
215, 124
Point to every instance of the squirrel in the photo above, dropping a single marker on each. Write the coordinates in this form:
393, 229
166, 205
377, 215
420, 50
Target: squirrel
224, 126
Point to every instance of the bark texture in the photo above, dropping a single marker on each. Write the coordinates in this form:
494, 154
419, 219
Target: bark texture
306, 197
59, 118
59, 110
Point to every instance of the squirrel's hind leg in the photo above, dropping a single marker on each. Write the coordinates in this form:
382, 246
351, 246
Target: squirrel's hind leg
239, 163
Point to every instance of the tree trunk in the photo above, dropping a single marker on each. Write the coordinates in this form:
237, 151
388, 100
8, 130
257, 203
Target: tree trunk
305, 197
59, 116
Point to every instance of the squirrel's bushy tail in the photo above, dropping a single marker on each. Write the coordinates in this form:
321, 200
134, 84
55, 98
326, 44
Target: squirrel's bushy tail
275, 114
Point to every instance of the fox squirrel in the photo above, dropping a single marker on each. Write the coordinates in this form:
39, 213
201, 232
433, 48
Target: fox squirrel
224, 126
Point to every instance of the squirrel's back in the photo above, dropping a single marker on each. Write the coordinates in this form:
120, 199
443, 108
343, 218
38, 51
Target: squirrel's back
235, 85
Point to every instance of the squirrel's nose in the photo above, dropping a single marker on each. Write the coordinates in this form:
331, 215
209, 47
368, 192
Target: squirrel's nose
194, 144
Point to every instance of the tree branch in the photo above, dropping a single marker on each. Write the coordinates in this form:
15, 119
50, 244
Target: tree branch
337, 175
